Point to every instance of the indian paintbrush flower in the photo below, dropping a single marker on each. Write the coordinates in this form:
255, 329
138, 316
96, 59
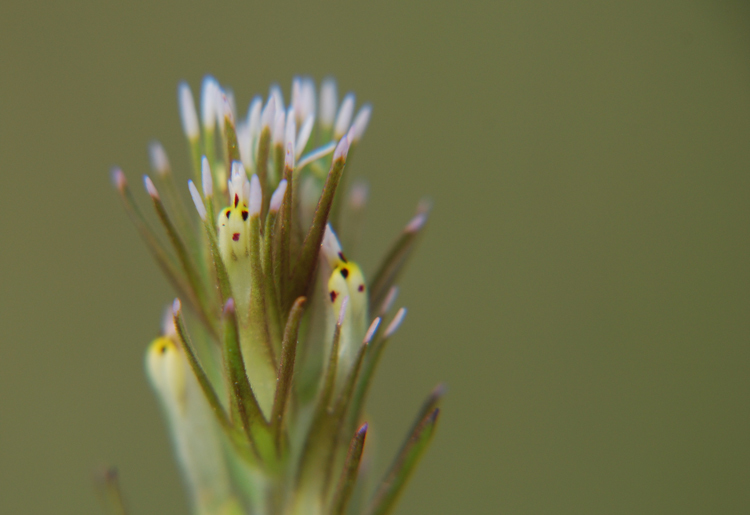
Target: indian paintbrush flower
264, 393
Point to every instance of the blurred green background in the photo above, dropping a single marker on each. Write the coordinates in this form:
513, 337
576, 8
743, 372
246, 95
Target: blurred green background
583, 287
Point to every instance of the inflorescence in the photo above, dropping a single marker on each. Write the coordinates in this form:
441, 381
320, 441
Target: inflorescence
264, 394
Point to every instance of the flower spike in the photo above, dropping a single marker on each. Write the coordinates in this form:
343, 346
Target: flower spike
263, 368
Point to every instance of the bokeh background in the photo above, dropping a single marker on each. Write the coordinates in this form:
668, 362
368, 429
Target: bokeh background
583, 287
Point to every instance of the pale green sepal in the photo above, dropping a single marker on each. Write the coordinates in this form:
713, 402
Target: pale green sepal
195, 432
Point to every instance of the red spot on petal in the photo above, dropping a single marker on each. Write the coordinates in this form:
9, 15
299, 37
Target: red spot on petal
236, 200
236, 236
333, 296
361, 287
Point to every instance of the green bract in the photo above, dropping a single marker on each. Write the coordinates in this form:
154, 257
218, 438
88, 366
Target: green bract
265, 358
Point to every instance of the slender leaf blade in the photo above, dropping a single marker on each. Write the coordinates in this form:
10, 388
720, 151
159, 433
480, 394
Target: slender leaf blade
349, 474
392, 485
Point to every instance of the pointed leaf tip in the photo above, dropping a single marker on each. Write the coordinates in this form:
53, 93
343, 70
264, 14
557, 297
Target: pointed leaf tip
197, 200
158, 158
416, 223
396, 322
176, 307
118, 179
342, 149
371, 331
150, 188
278, 196
361, 121
348, 478
400, 471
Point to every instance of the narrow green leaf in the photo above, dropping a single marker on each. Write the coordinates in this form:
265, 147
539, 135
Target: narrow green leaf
182, 253
430, 404
282, 266
222, 277
160, 254
337, 412
261, 166
336, 208
200, 374
348, 478
242, 399
392, 485
312, 453
286, 370
347, 392
273, 307
258, 311
331, 370
278, 163
308, 258
395, 260
230, 138
163, 171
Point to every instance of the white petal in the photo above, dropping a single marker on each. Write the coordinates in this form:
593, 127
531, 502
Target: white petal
308, 98
118, 179
331, 248
207, 179
277, 137
278, 196
342, 149
344, 117
269, 114
328, 101
316, 154
361, 122
187, 112
371, 330
256, 198
209, 100
296, 105
158, 157
290, 131
275, 92
197, 200
304, 135
416, 223
150, 188
395, 323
